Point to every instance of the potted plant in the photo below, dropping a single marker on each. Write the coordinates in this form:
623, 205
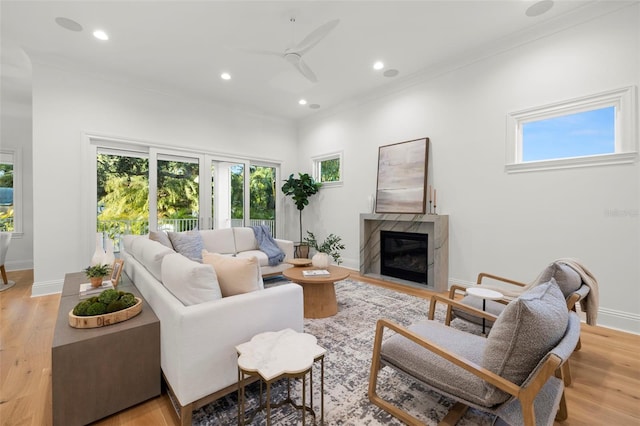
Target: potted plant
300, 189
331, 246
96, 273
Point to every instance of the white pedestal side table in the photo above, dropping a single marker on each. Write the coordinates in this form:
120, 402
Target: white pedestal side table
485, 294
276, 355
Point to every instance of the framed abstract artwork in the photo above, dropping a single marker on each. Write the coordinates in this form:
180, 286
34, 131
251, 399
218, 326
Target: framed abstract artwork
402, 177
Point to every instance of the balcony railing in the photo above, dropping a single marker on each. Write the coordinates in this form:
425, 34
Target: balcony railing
118, 228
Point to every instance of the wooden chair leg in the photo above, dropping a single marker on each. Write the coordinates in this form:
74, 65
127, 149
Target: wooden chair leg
4, 275
562, 413
578, 346
566, 373
455, 414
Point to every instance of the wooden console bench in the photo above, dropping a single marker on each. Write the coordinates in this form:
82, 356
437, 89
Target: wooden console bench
96, 372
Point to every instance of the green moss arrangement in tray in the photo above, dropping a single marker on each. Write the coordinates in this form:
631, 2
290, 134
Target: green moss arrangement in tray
105, 303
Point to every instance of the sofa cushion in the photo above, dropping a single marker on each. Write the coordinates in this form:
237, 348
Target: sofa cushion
219, 240
190, 282
263, 260
188, 244
236, 275
151, 255
161, 237
566, 277
527, 329
245, 239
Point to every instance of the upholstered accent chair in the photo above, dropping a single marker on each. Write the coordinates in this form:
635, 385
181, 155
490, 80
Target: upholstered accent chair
515, 373
572, 285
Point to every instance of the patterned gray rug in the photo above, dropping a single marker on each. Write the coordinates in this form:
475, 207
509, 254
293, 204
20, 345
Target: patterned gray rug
348, 338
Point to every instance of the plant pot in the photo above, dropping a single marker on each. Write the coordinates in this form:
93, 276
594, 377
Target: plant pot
301, 251
320, 260
96, 281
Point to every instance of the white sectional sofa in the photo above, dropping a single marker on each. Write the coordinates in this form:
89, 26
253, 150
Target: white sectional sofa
198, 339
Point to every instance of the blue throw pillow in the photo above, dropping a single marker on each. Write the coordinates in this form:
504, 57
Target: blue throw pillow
188, 244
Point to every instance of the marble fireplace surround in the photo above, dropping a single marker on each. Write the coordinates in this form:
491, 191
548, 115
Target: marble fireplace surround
435, 226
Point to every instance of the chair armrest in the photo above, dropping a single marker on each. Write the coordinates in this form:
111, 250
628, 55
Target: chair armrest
473, 368
483, 275
454, 288
577, 296
454, 303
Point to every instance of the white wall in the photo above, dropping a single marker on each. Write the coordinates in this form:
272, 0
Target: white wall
67, 106
509, 224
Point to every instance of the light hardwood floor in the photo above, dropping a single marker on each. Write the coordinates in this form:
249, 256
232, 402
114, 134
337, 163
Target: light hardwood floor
605, 389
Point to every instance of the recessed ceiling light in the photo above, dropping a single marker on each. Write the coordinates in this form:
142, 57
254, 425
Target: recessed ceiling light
314, 106
225, 76
391, 73
68, 24
101, 35
302, 101
378, 65
539, 8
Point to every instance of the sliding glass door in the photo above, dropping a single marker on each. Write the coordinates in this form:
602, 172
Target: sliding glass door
146, 188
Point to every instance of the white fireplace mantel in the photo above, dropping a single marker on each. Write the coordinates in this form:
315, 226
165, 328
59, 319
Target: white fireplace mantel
436, 226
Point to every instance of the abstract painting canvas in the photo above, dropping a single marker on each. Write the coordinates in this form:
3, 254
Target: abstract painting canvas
402, 177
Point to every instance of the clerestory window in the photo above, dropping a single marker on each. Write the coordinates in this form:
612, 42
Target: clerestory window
593, 130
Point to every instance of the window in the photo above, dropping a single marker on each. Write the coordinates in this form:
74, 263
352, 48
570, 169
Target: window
598, 129
10, 194
328, 169
142, 187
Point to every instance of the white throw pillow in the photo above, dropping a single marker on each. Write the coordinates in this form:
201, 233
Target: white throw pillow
236, 275
191, 282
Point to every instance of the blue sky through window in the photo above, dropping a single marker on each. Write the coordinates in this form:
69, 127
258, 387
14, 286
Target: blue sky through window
572, 135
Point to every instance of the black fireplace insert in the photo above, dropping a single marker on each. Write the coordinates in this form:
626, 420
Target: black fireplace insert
404, 255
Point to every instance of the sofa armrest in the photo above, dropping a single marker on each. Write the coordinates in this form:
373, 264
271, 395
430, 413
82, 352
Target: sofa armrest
207, 334
286, 246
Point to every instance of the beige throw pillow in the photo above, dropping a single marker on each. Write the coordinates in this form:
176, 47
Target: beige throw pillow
236, 275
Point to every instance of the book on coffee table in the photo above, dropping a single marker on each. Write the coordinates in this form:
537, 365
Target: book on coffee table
315, 273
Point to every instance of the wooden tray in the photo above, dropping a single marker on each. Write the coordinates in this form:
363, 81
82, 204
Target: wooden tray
105, 319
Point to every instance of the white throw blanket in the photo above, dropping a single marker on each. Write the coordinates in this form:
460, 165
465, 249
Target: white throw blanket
592, 300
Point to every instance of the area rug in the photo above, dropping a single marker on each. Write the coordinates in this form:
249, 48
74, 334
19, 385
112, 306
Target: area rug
348, 339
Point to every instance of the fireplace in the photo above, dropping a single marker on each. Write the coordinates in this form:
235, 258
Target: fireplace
404, 255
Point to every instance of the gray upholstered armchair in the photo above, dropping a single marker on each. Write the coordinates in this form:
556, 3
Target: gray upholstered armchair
515, 373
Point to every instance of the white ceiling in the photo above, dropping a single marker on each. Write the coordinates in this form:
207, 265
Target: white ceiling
183, 46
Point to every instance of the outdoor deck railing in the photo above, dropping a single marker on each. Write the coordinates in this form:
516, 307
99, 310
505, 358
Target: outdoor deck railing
118, 228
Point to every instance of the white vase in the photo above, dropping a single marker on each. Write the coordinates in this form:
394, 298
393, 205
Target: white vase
320, 260
109, 257
98, 255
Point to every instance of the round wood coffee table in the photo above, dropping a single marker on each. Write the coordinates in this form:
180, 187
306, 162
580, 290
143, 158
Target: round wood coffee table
319, 292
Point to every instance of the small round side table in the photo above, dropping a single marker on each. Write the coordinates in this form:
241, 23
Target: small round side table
485, 294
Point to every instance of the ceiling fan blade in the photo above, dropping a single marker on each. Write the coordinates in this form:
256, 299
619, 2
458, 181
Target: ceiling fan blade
306, 71
314, 37
258, 51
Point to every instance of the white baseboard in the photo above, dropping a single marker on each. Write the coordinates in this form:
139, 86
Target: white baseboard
45, 288
18, 265
608, 318
619, 320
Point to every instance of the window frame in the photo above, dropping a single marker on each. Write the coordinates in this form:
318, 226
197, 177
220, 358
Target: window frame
624, 101
317, 162
15, 156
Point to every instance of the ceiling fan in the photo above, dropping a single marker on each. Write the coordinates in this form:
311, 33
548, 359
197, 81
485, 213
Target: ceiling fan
294, 54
